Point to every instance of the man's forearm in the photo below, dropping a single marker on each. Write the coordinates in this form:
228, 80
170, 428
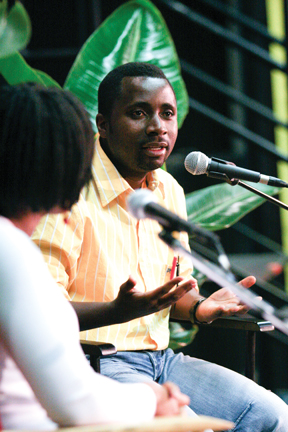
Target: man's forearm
183, 309
95, 314
131, 304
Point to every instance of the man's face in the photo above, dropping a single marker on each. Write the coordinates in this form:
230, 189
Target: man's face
142, 129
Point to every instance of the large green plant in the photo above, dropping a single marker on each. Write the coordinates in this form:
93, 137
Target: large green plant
15, 28
15, 33
220, 206
136, 31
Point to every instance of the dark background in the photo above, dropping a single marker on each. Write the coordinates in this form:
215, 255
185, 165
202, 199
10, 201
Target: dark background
59, 29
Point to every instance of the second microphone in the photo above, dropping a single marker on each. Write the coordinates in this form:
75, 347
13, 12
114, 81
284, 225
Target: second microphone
198, 163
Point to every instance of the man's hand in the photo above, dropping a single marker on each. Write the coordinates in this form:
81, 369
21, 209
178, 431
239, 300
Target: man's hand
131, 304
223, 303
170, 400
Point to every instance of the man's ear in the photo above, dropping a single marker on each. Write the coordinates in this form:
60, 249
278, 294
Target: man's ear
101, 123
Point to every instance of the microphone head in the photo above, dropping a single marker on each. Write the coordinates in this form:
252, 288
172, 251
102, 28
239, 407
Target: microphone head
196, 163
137, 201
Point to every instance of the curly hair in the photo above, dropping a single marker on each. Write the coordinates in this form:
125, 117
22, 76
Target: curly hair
46, 149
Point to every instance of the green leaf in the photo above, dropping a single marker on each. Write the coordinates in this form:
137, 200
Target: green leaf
220, 206
46, 79
16, 70
181, 334
15, 28
136, 31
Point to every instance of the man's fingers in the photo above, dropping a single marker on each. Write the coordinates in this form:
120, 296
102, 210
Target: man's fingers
243, 310
131, 283
171, 297
248, 281
158, 299
128, 285
191, 283
171, 284
164, 289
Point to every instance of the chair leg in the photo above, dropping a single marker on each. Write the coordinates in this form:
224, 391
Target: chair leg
250, 355
95, 363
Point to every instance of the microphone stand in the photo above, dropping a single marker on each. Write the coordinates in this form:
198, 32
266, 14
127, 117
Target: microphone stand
263, 195
260, 308
233, 182
204, 237
282, 312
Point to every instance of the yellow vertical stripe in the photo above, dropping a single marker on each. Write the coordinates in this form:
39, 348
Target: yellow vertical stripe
276, 26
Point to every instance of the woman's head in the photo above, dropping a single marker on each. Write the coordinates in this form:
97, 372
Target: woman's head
46, 149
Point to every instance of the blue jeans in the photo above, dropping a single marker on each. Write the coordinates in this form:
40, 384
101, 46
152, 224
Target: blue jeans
213, 390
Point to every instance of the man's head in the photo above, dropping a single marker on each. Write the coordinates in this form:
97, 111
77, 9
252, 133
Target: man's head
138, 120
46, 149
110, 88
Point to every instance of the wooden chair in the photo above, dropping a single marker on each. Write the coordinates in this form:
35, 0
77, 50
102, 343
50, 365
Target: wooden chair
250, 325
96, 350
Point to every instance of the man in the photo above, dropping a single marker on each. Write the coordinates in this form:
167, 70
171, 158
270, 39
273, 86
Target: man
102, 244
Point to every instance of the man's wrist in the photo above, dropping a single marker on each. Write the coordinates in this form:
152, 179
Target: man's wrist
193, 312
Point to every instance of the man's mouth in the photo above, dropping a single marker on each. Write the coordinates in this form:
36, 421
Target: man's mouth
155, 148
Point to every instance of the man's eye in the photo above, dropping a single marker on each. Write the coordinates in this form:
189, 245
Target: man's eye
168, 113
137, 113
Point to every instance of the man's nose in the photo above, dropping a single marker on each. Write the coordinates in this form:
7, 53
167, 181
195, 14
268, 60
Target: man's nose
156, 125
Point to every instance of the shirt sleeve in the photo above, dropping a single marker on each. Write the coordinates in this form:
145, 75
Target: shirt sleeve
61, 244
39, 328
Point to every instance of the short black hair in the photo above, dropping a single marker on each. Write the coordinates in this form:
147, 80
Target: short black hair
46, 149
110, 88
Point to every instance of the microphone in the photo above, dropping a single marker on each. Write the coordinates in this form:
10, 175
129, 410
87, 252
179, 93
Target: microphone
198, 163
142, 204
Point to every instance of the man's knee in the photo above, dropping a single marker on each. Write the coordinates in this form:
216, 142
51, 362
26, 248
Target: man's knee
267, 412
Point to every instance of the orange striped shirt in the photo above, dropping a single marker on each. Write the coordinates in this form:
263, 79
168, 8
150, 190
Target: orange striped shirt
92, 255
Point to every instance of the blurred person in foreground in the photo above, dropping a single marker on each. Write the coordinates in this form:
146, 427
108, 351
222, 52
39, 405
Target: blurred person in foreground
46, 149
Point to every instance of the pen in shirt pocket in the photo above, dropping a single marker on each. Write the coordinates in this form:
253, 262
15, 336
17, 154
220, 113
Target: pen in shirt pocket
175, 268
178, 267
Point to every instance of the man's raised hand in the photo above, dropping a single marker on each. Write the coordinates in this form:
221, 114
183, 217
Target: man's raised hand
131, 303
223, 303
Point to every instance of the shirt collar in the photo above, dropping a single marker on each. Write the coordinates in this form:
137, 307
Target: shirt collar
154, 182
111, 184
